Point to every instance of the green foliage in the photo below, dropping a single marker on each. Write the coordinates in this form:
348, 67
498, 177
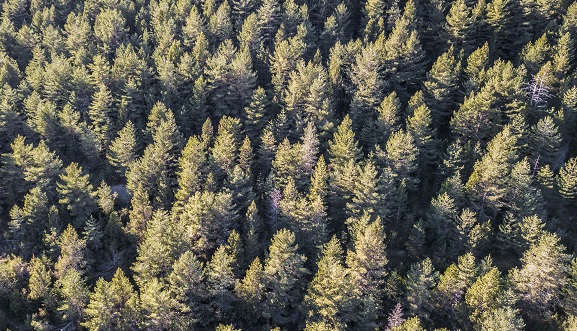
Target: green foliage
176, 139
283, 279
116, 297
76, 195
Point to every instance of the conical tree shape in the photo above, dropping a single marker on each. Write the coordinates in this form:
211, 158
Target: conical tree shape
330, 298
283, 279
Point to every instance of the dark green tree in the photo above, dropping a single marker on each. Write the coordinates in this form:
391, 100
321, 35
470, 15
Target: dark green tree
76, 195
283, 280
116, 297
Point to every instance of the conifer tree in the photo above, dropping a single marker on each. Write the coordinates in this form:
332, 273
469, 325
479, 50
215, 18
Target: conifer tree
109, 29
369, 85
220, 284
158, 308
402, 156
389, 118
219, 25
122, 151
40, 283
250, 292
207, 219
116, 297
344, 153
27, 222
226, 145
330, 296
140, 213
487, 183
252, 230
156, 253
193, 169
567, 180
421, 279
483, 294
367, 262
76, 195
367, 193
441, 86
101, 114
404, 55
256, 114
155, 169
524, 199
459, 25
420, 126
543, 274
475, 72
186, 285
283, 279
74, 296
545, 141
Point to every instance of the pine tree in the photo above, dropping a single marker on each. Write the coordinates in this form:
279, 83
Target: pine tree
404, 56
158, 307
193, 167
256, 114
252, 230
487, 183
231, 79
122, 151
421, 279
374, 19
226, 145
441, 86
283, 61
116, 297
567, 180
369, 85
402, 156
76, 195
250, 292
101, 114
535, 53
367, 193
545, 141
475, 72
155, 169
460, 25
27, 222
74, 296
543, 274
523, 198
389, 118
330, 297
186, 285
269, 20
344, 153
220, 284
219, 25
367, 262
483, 294
157, 250
395, 317
71, 253
337, 27
453, 284
40, 284
207, 219
420, 126
109, 29
283, 279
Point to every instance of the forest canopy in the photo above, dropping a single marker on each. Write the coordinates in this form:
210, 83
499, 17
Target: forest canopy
288, 165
